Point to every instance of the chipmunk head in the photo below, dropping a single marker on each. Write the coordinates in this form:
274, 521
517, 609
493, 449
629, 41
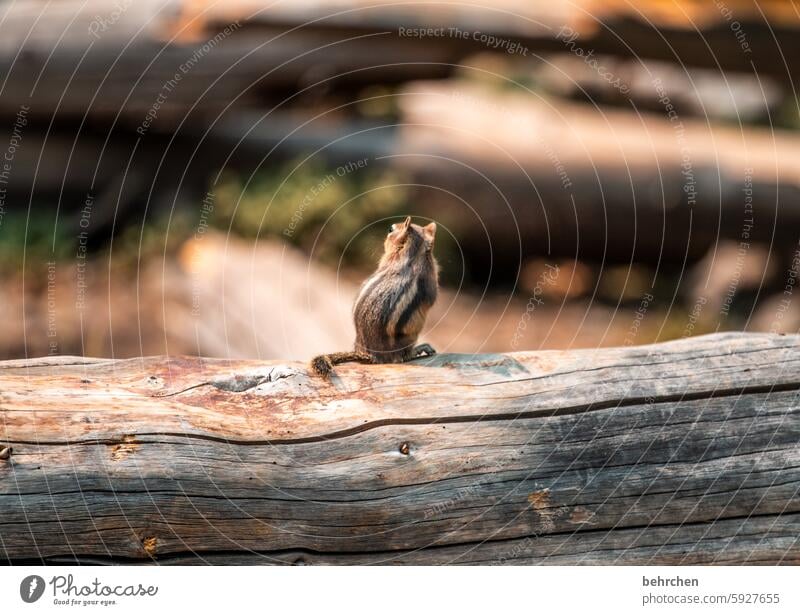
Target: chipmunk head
407, 241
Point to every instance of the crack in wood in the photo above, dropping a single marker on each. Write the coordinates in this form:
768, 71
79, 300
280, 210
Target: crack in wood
470, 418
770, 519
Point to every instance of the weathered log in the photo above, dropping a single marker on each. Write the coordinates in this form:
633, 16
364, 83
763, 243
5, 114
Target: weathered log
684, 452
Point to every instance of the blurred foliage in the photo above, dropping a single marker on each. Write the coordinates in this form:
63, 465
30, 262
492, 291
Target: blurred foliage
327, 211
379, 102
159, 236
33, 240
41, 238
339, 214
788, 114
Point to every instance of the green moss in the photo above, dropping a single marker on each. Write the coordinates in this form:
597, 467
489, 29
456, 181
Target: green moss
33, 239
159, 237
325, 209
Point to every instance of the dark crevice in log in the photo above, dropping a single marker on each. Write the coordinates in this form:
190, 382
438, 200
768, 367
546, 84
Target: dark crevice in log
274, 554
525, 475
472, 418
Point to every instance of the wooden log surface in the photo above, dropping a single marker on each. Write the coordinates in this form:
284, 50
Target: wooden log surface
683, 452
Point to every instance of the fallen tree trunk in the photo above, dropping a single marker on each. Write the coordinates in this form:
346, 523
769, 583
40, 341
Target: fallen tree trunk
685, 452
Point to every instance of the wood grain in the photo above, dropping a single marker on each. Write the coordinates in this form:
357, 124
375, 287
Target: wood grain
684, 452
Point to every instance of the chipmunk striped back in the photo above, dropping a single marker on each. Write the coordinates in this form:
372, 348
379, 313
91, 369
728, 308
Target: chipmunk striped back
393, 303
390, 309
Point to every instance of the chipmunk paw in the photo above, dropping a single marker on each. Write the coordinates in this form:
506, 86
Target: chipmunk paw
423, 350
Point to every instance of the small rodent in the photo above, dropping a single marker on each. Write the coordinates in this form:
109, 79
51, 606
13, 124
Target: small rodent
391, 306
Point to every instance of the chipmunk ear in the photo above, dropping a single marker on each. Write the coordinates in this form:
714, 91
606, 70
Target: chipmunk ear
406, 222
429, 231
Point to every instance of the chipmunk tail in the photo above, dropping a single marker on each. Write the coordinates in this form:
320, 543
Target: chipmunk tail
322, 365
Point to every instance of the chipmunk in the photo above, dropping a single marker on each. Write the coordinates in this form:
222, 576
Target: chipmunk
391, 306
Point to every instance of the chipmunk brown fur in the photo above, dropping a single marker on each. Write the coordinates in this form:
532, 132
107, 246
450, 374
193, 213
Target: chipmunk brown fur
393, 302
